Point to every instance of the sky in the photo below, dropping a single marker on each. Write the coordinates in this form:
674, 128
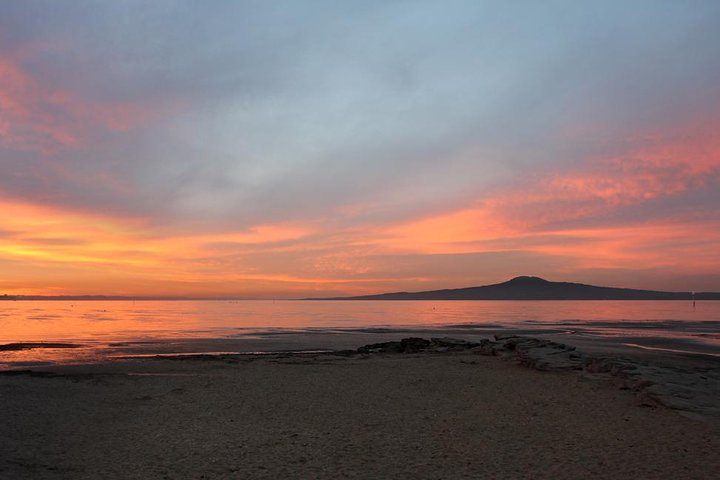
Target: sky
285, 149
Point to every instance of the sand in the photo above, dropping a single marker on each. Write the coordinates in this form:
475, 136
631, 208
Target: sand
428, 416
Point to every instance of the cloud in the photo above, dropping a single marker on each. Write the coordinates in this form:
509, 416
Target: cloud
661, 171
38, 118
24, 121
285, 147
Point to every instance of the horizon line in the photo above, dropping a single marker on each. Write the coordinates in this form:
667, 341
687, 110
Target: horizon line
97, 297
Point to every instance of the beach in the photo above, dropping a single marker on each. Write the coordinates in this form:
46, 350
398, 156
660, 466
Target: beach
340, 415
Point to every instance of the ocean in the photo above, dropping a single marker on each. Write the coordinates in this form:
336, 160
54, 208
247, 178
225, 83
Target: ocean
101, 330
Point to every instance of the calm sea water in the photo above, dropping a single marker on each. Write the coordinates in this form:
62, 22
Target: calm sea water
101, 325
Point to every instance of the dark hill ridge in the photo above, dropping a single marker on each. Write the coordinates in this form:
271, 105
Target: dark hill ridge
535, 288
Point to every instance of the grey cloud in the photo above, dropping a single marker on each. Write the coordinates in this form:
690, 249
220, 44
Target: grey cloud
288, 110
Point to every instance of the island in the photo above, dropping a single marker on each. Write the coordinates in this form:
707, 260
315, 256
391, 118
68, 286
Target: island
535, 288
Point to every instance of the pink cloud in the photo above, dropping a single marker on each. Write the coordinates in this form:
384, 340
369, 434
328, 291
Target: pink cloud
658, 166
23, 124
35, 116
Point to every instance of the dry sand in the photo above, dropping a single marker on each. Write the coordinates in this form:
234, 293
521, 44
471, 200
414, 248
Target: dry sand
429, 416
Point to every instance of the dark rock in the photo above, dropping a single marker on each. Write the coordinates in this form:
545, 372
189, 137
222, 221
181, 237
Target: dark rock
29, 373
11, 347
488, 347
414, 344
504, 337
406, 345
383, 347
447, 344
450, 342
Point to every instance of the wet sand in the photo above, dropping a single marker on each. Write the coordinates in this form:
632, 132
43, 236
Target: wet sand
451, 415
659, 349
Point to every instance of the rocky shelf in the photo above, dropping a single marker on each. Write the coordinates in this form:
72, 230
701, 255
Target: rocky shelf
694, 390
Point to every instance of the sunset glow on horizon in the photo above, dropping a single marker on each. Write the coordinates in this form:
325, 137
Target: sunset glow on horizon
291, 149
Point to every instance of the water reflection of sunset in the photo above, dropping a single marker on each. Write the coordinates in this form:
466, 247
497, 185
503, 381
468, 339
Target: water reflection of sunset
90, 330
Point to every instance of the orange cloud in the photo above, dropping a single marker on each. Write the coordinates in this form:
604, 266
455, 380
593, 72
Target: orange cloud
124, 255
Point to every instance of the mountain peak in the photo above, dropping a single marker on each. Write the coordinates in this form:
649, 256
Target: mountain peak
527, 280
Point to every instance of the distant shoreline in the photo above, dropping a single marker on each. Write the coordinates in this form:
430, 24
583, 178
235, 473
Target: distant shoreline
348, 299
518, 288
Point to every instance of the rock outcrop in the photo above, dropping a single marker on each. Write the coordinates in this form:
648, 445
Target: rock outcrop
417, 345
534, 352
